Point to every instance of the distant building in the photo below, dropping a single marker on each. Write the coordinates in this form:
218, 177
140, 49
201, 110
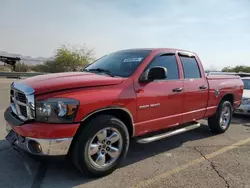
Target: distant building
9, 60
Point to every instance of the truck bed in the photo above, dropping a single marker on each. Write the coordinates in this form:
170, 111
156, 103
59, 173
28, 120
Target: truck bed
219, 85
219, 77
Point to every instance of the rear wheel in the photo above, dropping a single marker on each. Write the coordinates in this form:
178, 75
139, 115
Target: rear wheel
220, 122
101, 146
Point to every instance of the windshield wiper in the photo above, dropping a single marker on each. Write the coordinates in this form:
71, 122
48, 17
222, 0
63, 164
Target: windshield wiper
100, 70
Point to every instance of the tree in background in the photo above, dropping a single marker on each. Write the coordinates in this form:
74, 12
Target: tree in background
211, 68
46, 67
67, 58
21, 67
238, 68
73, 58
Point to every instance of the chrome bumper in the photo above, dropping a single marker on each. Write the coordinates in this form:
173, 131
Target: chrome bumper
243, 109
40, 146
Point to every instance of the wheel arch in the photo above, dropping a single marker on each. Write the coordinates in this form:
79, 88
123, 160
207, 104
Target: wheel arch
121, 113
228, 97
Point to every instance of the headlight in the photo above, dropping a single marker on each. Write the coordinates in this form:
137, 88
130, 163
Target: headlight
56, 110
245, 101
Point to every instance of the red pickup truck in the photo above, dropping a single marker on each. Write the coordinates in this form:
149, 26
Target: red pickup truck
92, 115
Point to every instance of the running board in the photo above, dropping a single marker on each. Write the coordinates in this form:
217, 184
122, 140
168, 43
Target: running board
168, 134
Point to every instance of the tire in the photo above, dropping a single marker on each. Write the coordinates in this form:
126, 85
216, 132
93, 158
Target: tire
82, 155
224, 111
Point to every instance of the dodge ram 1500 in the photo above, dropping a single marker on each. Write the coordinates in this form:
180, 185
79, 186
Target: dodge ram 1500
92, 115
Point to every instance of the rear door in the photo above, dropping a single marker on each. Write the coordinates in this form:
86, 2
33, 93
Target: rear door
195, 87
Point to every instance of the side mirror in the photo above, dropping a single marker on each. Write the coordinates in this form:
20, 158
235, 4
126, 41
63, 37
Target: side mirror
154, 73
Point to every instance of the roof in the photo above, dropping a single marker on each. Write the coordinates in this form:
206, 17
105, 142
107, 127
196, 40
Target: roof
9, 60
168, 49
181, 51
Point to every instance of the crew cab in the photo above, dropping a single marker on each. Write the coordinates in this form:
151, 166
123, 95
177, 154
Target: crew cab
92, 115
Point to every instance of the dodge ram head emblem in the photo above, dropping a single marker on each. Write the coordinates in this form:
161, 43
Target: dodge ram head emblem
217, 93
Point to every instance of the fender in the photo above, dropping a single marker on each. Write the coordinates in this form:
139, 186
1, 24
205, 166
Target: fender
113, 108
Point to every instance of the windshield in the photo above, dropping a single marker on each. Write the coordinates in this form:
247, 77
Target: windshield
121, 63
246, 83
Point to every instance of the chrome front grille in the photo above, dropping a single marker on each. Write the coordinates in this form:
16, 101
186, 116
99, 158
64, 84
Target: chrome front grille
22, 101
21, 97
23, 110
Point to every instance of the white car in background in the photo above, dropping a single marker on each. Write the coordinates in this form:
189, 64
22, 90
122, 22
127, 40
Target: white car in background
245, 105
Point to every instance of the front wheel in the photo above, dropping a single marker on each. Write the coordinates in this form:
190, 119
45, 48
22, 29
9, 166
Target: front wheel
220, 122
101, 146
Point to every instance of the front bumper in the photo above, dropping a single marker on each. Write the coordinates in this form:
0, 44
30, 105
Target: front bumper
243, 109
39, 146
39, 138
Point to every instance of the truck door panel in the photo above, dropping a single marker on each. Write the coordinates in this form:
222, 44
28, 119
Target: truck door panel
195, 88
159, 103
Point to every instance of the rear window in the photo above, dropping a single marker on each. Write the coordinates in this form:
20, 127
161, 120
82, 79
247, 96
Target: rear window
246, 83
190, 67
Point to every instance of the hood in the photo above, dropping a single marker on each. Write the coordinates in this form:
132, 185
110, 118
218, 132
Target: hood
246, 93
59, 81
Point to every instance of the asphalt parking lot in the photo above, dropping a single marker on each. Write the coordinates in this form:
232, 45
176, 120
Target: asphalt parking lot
193, 159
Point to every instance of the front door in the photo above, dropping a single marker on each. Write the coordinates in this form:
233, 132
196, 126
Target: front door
160, 102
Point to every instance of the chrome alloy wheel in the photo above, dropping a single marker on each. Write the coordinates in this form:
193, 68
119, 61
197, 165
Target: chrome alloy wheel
105, 147
225, 117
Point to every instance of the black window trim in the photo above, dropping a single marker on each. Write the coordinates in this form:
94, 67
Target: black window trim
185, 54
190, 55
159, 55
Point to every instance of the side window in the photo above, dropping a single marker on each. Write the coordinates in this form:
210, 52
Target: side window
170, 63
190, 67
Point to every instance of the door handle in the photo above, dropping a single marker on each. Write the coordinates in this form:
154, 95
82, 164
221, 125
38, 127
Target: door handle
177, 89
203, 87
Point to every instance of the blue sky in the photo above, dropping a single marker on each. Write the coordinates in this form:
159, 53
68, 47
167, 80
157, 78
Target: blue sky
218, 31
